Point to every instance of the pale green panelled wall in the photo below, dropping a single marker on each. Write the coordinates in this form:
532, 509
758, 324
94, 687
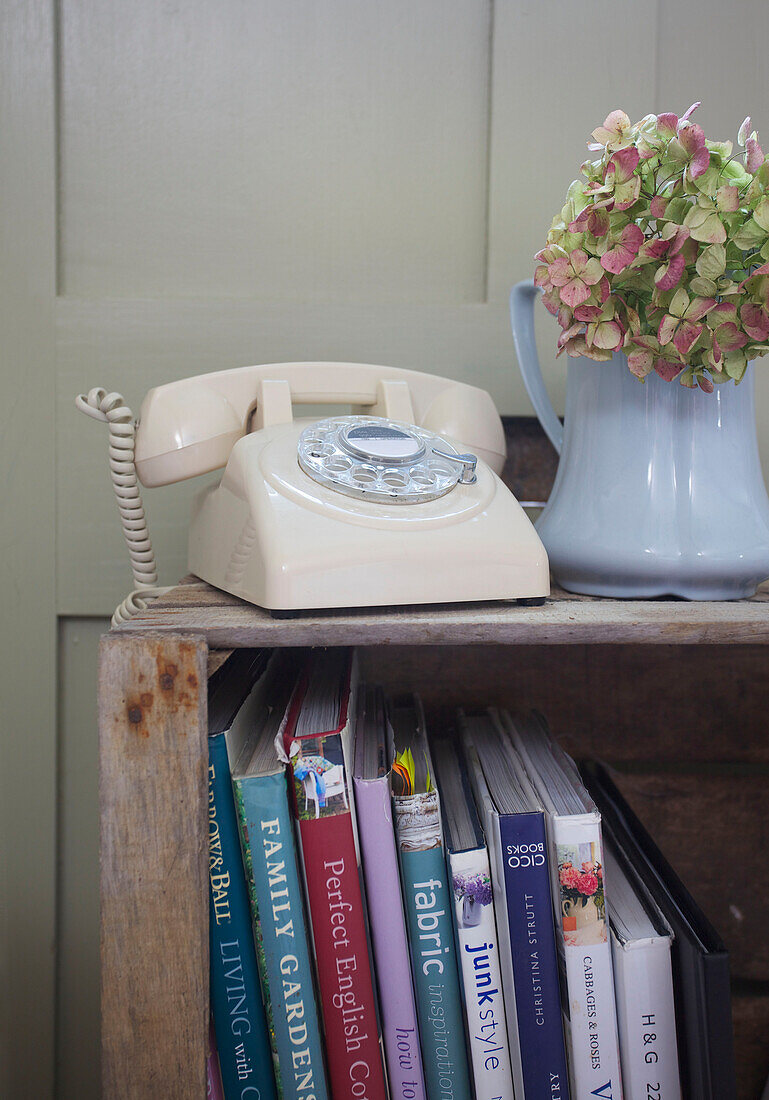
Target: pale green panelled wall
256, 182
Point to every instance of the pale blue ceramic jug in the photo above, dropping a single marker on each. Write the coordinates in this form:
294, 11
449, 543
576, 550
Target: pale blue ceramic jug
659, 489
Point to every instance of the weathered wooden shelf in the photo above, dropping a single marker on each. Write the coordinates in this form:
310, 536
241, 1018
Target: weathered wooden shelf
685, 733
228, 622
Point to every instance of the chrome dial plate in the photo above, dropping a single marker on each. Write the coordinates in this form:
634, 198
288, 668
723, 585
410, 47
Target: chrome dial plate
377, 459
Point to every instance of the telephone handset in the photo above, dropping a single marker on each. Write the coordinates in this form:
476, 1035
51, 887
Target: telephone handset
304, 515
190, 427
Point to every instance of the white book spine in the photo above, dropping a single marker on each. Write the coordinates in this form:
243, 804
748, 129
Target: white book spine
478, 951
643, 982
582, 928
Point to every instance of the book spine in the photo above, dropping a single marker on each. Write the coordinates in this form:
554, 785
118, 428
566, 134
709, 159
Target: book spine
428, 904
476, 933
280, 934
389, 939
580, 904
341, 953
239, 1021
643, 984
523, 852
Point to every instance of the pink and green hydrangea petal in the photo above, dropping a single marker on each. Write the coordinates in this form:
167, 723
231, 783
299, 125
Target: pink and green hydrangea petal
730, 338
669, 274
667, 329
667, 124
698, 307
728, 198
667, 368
754, 155
686, 336
626, 193
607, 335
574, 293
625, 162
614, 127
755, 322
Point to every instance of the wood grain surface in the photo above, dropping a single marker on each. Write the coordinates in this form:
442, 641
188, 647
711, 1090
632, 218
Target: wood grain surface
565, 619
658, 704
751, 1048
154, 866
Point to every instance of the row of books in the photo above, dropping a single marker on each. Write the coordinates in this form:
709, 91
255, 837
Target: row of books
438, 915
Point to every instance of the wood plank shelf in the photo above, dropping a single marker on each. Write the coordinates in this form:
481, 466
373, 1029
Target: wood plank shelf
565, 619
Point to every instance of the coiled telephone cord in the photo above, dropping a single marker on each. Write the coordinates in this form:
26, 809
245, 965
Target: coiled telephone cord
112, 410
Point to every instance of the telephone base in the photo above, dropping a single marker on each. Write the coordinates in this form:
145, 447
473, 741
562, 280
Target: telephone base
525, 601
277, 538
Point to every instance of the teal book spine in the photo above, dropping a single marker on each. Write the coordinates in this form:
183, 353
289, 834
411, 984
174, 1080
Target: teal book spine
236, 999
429, 901
280, 934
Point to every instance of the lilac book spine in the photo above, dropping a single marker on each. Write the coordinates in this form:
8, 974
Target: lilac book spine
389, 939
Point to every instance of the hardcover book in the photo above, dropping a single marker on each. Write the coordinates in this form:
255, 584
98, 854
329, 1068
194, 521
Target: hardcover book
275, 891
580, 902
699, 959
371, 779
516, 834
428, 902
239, 1020
475, 927
641, 940
315, 741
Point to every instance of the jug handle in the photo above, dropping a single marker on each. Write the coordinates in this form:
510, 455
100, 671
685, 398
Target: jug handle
522, 298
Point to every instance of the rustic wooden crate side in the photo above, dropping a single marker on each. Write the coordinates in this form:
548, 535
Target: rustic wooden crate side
154, 865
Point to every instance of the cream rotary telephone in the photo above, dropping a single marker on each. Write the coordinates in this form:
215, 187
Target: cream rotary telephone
399, 503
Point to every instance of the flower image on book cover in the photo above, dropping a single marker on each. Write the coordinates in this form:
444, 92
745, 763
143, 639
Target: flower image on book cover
476, 931
580, 877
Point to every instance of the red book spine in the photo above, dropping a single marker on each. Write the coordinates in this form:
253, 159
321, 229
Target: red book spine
344, 971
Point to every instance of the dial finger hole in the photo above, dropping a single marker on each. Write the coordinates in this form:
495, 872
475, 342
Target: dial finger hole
364, 476
422, 478
339, 464
395, 479
320, 450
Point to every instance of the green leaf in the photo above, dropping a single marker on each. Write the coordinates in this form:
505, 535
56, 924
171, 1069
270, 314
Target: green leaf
735, 364
679, 302
711, 230
764, 253
711, 262
749, 236
696, 216
761, 213
686, 378
676, 210
708, 182
705, 288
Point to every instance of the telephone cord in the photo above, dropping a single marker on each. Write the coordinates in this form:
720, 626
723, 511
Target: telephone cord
111, 409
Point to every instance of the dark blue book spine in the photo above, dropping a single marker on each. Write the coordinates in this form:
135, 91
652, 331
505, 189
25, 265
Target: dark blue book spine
242, 1040
535, 959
